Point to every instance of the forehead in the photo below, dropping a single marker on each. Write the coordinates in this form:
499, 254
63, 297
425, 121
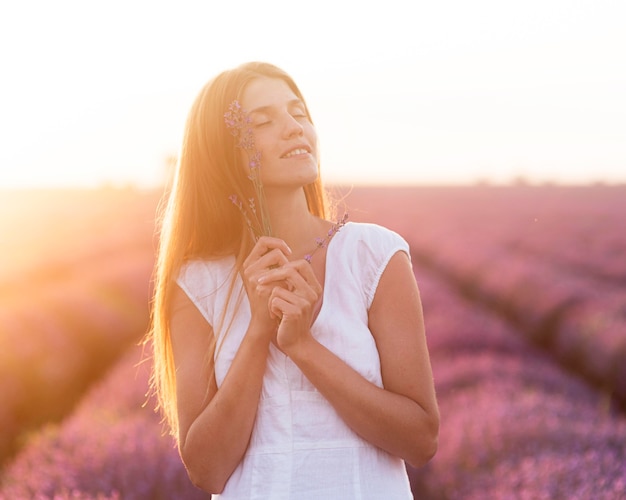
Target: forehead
266, 92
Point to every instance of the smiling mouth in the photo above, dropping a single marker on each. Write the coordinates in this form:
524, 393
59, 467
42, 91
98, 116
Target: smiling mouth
295, 152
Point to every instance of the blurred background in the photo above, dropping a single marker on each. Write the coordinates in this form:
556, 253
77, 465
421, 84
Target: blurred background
490, 135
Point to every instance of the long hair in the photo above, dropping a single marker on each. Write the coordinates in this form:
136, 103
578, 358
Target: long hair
196, 218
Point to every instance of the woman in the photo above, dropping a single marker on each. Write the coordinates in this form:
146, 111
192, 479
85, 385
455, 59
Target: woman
293, 365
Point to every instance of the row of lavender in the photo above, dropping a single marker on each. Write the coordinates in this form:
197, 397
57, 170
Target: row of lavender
513, 426
74, 296
111, 447
582, 322
550, 260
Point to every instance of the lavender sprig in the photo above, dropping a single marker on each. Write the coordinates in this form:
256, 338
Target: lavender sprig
238, 122
323, 242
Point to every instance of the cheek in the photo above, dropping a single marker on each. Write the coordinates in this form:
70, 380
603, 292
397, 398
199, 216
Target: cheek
262, 136
311, 136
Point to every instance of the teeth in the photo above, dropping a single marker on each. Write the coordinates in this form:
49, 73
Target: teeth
298, 151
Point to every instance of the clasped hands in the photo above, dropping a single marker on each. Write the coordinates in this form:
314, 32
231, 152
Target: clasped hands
282, 293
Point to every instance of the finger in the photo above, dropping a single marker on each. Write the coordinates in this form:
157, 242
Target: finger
298, 274
282, 308
276, 305
268, 252
291, 302
254, 270
272, 259
306, 271
266, 244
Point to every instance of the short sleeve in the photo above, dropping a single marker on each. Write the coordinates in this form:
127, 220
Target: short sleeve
375, 247
201, 281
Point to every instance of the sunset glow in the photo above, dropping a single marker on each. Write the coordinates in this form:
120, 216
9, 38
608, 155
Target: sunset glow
449, 92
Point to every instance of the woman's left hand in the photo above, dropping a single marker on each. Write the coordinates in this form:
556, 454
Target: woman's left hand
294, 304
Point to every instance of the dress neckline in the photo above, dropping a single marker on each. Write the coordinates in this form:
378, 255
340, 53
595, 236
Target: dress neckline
326, 273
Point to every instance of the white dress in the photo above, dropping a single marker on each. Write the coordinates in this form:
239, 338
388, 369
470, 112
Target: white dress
300, 448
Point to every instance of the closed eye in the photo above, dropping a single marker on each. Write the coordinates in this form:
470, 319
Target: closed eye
297, 109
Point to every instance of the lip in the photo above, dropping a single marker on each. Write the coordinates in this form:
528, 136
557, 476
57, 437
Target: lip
306, 147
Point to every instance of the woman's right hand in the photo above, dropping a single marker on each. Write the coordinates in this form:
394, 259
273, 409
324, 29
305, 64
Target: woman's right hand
268, 253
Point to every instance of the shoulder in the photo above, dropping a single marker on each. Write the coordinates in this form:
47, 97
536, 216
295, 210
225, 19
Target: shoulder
373, 239
206, 283
366, 249
218, 264
200, 276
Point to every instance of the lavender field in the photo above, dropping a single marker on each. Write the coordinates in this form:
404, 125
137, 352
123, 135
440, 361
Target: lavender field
524, 291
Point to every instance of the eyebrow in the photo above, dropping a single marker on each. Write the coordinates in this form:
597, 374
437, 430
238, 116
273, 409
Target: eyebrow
266, 109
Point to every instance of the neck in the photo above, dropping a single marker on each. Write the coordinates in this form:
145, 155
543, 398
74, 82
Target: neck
292, 221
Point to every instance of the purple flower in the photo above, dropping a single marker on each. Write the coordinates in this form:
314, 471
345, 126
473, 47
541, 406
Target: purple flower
238, 122
323, 242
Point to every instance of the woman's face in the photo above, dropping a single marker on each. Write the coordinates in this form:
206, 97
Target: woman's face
282, 133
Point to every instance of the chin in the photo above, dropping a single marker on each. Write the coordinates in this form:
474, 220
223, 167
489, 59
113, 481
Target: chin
296, 177
310, 179
305, 176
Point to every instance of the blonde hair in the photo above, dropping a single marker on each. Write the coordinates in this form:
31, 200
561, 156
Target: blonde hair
196, 219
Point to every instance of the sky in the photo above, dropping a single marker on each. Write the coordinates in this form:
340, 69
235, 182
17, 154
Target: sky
411, 92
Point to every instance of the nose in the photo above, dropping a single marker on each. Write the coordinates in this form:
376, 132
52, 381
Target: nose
292, 127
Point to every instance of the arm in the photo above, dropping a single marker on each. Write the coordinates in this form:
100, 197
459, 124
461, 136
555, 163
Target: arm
215, 425
401, 418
